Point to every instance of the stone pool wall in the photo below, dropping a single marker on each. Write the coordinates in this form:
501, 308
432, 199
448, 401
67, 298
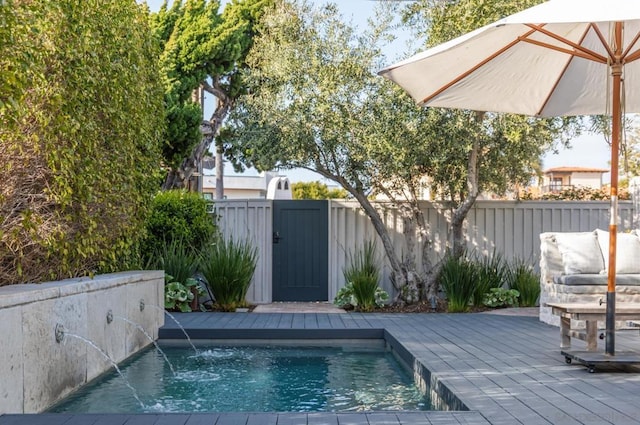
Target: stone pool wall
36, 371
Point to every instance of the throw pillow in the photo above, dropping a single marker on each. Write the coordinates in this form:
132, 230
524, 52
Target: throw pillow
627, 251
580, 252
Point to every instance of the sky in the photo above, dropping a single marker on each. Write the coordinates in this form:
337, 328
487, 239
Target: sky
588, 150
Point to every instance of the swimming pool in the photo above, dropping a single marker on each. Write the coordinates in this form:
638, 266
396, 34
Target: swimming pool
253, 379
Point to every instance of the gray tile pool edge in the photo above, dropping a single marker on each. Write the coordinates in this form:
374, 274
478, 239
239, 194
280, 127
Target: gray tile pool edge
373, 418
441, 397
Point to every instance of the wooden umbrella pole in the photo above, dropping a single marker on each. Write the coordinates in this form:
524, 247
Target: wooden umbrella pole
616, 121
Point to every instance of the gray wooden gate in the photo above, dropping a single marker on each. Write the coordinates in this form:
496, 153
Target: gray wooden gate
300, 250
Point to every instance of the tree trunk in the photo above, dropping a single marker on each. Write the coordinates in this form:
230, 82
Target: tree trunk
460, 213
179, 178
219, 171
405, 280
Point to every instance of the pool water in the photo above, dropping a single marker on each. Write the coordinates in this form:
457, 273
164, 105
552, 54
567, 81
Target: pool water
253, 379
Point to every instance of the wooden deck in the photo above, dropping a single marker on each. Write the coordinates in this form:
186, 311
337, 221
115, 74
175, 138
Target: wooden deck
503, 369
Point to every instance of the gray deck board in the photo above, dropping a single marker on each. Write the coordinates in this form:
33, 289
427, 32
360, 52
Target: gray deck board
505, 369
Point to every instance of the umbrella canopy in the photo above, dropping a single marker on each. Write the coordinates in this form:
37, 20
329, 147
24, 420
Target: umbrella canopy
560, 58
553, 59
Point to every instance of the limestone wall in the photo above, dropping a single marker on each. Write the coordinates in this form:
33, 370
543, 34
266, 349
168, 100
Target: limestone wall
35, 370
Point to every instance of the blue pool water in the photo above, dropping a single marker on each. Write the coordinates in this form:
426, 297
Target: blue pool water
253, 379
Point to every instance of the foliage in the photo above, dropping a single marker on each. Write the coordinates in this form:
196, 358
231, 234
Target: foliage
522, 278
457, 278
228, 268
346, 297
501, 297
178, 216
179, 295
362, 275
314, 102
576, 194
491, 272
177, 259
203, 48
80, 139
316, 190
495, 152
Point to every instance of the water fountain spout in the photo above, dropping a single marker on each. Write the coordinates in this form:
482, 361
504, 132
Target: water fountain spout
172, 317
61, 333
149, 337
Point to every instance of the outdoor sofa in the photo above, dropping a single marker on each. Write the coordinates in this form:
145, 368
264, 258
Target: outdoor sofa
573, 269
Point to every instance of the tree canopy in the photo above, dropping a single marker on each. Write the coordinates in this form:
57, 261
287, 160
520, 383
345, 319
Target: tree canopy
203, 51
315, 102
316, 190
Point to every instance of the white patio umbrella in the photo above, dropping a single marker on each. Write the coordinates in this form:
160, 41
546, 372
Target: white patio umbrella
560, 58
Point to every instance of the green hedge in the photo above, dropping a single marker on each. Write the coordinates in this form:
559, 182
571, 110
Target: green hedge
177, 215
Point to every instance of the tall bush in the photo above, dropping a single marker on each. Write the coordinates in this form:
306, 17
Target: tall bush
177, 215
80, 144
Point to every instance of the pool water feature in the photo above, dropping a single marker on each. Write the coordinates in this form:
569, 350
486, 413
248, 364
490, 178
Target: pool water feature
253, 379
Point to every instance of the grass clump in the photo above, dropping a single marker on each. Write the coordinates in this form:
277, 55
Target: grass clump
523, 279
458, 277
362, 275
228, 267
491, 272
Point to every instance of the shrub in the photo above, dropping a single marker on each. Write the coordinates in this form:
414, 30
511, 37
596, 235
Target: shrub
362, 275
180, 263
491, 273
501, 297
228, 268
178, 215
458, 281
346, 297
80, 133
522, 278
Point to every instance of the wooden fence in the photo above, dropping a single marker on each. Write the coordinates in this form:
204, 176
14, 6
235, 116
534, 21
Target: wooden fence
511, 228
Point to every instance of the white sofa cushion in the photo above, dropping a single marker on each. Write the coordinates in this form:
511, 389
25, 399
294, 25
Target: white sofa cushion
627, 251
580, 252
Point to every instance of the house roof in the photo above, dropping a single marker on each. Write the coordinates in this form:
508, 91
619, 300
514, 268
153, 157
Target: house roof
575, 170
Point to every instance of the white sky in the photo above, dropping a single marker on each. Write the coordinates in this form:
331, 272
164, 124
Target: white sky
587, 150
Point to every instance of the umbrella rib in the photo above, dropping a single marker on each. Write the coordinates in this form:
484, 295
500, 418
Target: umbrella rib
579, 50
603, 40
564, 70
591, 57
473, 69
632, 57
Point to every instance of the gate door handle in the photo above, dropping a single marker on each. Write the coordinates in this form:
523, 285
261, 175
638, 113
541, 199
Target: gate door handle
276, 237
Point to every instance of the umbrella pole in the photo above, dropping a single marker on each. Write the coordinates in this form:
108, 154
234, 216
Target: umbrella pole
616, 122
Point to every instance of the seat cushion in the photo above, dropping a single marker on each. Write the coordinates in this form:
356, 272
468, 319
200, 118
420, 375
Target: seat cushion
597, 279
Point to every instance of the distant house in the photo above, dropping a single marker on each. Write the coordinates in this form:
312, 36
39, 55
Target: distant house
560, 178
266, 185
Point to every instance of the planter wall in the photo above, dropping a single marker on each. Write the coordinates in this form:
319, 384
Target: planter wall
36, 370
